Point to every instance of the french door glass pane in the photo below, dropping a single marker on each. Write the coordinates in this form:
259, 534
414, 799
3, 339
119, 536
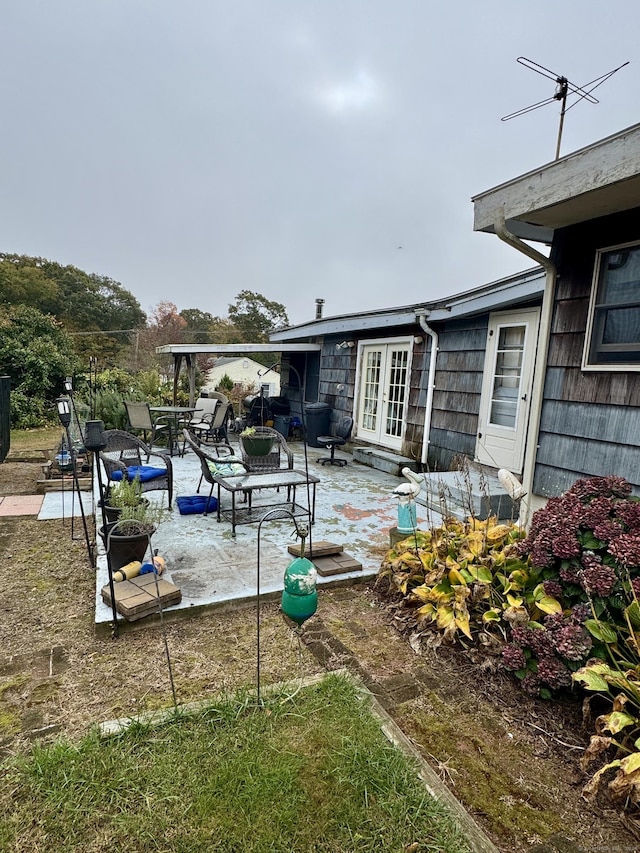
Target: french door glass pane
396, 391
371, 389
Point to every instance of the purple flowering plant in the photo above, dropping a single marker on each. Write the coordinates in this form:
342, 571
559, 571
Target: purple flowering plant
584, 550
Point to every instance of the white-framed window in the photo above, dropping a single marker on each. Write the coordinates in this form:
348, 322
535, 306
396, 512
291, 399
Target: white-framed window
613, 332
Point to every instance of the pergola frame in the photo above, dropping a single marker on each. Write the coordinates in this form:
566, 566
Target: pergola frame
188, 352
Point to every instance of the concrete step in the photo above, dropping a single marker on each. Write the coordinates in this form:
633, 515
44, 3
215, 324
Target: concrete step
383, 460
464, 493
473, 491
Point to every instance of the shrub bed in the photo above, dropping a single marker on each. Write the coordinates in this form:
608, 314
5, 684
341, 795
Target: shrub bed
561, 604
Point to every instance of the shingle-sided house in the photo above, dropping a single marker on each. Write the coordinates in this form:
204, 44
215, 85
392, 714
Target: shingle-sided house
585, 408
426, 382
539, 372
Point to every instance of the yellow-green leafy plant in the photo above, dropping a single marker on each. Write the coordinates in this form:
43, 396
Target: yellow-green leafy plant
462, 577
617, 732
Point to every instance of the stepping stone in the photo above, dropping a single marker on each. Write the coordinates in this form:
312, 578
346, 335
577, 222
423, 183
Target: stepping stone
328, 558
338, 564
318, 549
20, 505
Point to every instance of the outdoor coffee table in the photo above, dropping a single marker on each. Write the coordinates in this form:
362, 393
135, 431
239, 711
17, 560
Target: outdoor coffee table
247, 484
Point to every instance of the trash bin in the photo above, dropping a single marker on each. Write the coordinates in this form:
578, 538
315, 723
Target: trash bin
282, 424
318, 422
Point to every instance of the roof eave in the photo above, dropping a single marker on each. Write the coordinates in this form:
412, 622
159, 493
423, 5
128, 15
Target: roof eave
595, 181
511, 290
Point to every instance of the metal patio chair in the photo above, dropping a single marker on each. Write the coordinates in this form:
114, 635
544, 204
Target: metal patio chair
127, 454
212, 428
205, 457
139, 419
273, 460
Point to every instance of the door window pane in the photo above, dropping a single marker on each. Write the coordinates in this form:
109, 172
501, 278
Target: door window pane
507, 376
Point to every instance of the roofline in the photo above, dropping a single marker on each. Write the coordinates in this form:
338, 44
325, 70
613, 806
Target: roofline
598, 180
223, 349
511, 289
348, 322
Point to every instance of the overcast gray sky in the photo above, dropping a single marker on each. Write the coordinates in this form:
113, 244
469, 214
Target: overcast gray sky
192, 149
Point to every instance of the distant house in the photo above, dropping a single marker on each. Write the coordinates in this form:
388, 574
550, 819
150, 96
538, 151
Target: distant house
243, 371
585, 408
427, 382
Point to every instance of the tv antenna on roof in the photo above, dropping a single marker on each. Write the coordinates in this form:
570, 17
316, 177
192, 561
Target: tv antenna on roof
564, 89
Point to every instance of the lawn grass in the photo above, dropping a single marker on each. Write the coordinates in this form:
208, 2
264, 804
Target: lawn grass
313, 773
42, 438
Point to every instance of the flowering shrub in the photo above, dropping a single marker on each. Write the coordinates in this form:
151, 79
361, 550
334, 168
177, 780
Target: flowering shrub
544, 655
567, 598
587, 542
585, 547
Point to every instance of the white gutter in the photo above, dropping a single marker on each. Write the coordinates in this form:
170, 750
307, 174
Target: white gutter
421, 317
539, 371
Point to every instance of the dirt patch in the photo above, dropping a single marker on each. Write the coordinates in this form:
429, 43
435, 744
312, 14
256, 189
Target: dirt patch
512, 760
19, 478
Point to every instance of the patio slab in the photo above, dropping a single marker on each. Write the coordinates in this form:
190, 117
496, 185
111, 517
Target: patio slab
66, 504
20, 505
355, 508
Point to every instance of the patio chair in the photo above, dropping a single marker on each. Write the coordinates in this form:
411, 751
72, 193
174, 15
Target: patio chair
212, 428
204, 406
139, 418
123, 457
208, 461
218, 395
342, 434
273, 460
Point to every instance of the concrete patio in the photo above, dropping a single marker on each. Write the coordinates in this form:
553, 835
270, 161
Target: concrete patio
355, 508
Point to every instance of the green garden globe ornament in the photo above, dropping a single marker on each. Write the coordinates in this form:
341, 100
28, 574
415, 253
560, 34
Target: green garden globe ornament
299, 596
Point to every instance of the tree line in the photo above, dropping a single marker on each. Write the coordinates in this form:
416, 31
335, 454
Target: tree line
56, 320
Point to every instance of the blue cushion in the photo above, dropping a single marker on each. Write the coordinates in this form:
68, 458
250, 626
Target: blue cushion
196, 504
143, 472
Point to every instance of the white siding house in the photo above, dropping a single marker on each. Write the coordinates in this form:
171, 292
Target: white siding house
243, 371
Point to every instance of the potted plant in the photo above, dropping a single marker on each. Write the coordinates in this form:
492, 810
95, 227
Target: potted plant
124, 494
256, 443
127, 539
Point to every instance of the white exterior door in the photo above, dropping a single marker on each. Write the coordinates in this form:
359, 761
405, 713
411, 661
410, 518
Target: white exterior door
383, 391
506, 389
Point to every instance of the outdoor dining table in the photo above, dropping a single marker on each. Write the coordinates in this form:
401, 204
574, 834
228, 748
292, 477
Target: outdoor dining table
174, 414
248, 483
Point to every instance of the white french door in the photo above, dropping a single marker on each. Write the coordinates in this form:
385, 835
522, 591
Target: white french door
384, 387
506, 389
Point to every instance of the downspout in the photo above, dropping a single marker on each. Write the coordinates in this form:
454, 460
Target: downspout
537, 390
421, 317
